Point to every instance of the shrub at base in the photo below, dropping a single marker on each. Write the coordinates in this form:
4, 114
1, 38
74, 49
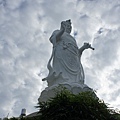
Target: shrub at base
67, 106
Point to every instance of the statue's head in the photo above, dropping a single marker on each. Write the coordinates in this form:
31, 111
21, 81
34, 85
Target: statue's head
68, 26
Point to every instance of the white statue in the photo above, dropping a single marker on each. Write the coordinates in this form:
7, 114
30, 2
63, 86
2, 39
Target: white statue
65, 66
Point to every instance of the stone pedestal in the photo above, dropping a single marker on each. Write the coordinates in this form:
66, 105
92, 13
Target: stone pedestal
73, 87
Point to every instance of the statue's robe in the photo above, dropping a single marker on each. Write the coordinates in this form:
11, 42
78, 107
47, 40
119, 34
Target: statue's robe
65, 64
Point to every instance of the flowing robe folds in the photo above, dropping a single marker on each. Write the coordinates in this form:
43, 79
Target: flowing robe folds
64, 64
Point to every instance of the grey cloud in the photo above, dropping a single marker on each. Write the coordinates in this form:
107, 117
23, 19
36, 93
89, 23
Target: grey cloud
20, 52
114, 11
107, 43
115, 76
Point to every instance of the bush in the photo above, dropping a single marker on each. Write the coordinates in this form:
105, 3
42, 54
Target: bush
67, 106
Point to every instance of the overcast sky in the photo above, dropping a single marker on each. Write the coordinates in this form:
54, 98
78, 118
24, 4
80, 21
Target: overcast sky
25, 28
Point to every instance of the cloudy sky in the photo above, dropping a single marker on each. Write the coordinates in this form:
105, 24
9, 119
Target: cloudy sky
25, 28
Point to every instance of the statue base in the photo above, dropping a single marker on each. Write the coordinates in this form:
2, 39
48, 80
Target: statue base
73, 87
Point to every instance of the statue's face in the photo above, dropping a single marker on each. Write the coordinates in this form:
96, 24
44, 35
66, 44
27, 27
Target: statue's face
68, 28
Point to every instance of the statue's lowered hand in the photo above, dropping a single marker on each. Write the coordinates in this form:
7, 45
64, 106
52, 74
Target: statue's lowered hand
87, 45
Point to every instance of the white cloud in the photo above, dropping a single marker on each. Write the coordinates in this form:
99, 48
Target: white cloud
25, 28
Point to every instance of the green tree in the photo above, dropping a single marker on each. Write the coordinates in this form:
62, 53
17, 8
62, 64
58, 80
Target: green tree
83, 106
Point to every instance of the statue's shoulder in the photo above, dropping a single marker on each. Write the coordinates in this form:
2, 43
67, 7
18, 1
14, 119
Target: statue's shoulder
52, 37
55, 32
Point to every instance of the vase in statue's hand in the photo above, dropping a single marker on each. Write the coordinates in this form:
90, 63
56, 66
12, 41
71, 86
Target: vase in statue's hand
87, 45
